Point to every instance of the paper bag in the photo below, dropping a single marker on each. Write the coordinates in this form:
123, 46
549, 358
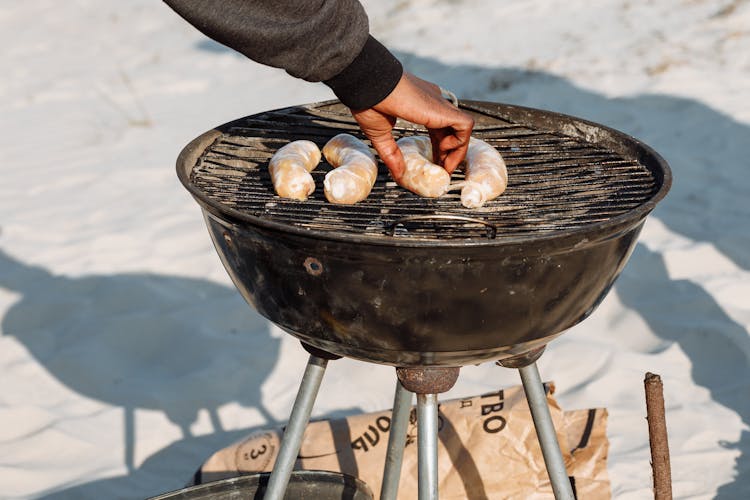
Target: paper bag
487, 449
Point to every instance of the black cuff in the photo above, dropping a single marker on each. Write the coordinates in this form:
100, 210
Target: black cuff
370, 77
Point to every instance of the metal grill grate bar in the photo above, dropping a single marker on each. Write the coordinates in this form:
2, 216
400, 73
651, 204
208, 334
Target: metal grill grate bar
555, 181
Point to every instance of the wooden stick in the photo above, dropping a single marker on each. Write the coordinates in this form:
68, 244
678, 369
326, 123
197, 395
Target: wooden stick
657, 435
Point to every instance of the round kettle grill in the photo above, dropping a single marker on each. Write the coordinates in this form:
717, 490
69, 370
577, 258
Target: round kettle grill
424, 284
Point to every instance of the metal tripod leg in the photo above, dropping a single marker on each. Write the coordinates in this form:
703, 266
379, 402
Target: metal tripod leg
298, 420
427, 382
545, 431
396, 443
427, 439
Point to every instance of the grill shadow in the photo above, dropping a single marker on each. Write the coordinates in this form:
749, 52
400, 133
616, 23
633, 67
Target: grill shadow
143, 341
718, 347
707, 151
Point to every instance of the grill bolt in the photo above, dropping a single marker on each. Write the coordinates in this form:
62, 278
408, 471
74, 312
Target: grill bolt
313, 266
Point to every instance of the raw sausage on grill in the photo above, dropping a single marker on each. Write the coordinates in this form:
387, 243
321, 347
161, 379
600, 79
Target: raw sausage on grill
421, 175
486, 174
290, 169
354, 173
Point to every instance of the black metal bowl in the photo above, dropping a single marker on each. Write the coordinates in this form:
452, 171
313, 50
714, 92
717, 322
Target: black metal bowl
418, 302
303, 484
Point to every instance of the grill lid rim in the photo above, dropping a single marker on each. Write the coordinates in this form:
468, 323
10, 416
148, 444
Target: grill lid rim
588, 233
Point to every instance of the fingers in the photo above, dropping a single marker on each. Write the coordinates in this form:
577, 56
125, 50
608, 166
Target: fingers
377, 127
449, 147
443, 141
454, 158
390, 154
449, 151
457, 154
449, 128
420, 102
454, 146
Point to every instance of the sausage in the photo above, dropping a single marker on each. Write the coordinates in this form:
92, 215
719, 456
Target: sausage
486, 174
290, 169
421, 175
354, 170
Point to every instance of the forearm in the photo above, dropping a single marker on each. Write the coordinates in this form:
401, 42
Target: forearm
324, 40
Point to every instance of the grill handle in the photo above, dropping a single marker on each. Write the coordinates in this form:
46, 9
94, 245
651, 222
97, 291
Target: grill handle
491, 228
450, 96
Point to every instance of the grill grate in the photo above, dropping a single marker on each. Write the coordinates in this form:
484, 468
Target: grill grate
556, 181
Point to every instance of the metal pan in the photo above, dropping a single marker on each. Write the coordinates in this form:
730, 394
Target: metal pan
307, 484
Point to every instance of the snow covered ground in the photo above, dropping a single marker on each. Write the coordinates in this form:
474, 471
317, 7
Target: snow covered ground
127, 356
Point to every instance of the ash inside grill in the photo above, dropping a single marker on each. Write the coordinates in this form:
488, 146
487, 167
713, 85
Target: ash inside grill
562, 175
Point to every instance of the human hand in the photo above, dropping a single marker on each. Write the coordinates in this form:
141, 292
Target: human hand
419, 102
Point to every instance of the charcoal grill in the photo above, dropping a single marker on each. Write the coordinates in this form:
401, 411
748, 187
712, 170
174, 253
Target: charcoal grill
424, 284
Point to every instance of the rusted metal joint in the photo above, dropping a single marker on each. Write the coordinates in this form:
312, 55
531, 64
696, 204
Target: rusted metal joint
428, 380
523, 359
320, 352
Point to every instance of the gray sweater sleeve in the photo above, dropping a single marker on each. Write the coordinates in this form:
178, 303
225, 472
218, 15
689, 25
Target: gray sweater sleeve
316, 40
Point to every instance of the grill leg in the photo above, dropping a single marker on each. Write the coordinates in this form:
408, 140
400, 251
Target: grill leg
396, 443
427, 438
298, 420
427, 383
545, 431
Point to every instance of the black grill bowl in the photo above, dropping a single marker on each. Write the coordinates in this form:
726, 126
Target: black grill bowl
303, 485
409, 298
